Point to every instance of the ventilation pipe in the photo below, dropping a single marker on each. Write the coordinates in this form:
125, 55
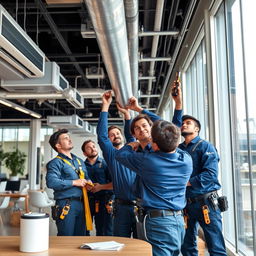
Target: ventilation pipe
132, 23
108, 20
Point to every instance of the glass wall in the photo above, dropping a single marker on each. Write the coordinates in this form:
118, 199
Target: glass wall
196, 88
233, 56
12, 138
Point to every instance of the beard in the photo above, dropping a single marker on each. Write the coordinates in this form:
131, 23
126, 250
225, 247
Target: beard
184, 134
115, 144
93, 155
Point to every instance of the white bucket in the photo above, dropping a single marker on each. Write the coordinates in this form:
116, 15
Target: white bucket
34, 232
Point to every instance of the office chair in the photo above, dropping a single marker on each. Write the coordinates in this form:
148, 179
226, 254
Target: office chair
39, 199
4, 205
2, 186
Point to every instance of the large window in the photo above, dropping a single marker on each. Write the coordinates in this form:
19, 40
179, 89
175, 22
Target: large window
233, 58
195, 87
18, 137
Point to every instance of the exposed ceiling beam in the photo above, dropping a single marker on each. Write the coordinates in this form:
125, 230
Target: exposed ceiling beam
60, 38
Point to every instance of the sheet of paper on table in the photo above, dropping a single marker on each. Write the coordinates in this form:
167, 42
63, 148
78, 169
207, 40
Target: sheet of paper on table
104, 246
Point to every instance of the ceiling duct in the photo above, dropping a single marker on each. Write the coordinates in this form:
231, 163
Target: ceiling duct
18, 51
74, 98
52, 81
94, 72
87, 30
132, 22
109, 23
68, 122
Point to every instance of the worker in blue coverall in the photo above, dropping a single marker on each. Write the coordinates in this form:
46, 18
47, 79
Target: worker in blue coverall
141, 126
202, 192
164, 175
110, 141
63, 177
101, 195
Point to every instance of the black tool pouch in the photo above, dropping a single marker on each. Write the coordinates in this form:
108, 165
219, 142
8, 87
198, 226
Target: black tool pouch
223, 203
55, 212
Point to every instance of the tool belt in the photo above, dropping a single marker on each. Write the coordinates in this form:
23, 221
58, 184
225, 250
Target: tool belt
125, 202
201, 198
163, 213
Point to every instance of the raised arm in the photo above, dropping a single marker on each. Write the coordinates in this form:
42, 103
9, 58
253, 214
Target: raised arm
127, 123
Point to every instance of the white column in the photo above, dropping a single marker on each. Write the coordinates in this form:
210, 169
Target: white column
34, 154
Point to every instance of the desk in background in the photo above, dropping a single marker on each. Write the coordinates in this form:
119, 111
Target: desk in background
69, 245
17, 195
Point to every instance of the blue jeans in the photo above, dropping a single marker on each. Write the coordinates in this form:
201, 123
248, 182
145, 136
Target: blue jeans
165, 234
124, 221
212, 231
74, 222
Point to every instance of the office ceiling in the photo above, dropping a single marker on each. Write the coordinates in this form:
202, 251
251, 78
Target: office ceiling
56, 27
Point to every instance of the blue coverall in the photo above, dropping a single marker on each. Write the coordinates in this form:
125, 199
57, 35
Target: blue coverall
59, 177
204, 179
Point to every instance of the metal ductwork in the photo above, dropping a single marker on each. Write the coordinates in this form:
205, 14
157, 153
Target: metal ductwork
132, 23
108, 18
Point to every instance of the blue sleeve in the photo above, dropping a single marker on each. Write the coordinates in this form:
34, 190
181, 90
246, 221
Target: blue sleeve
130, 159
103, 140
209, 165
106, 170
54, 178
127, 132
153, 117
177, 117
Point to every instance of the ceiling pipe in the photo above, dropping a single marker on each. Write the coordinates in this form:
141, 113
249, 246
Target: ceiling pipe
132, 24
87, 93
158, 33
108, 20
157, 27
155, 59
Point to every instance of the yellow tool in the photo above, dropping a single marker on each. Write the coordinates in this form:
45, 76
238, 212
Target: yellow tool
206, 214
65, 211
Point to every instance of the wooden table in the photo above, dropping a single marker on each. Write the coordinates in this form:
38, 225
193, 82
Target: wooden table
17, 195
69, 246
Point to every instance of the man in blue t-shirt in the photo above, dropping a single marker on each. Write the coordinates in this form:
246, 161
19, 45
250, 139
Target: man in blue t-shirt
101, 194
202, 198
164, 175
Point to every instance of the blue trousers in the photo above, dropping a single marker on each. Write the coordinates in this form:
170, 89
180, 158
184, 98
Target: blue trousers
103, 220
124, 221
165, 234
212, 232
74, 223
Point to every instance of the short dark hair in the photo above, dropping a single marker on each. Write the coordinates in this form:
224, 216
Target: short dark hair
85, 143
114, 127
185, 117
166, 135
55, 138
137, 118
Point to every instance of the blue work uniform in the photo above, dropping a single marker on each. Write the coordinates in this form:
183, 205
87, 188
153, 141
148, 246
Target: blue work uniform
59, 177
99, 173
164, 177
204, 180
177, 120
123, 178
